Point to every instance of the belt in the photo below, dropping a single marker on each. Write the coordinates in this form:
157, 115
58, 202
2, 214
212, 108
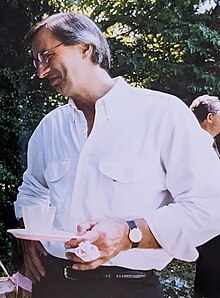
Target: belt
107, 273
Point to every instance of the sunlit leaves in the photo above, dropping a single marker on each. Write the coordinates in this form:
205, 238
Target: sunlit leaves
158, 44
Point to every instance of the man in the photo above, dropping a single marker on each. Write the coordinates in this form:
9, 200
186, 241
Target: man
124, 167
207, 110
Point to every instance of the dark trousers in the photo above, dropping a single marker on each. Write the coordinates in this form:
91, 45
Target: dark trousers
207, 279
55, 285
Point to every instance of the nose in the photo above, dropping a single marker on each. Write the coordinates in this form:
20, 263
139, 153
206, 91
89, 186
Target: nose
42, 70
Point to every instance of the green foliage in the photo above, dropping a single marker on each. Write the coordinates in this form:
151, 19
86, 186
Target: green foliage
177, 279
24, 100
164, 45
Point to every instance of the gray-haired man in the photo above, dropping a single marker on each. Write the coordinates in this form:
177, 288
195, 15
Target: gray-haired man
123, 166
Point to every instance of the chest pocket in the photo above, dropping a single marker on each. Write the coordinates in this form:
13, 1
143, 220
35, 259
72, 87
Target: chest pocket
56, 170
124, 172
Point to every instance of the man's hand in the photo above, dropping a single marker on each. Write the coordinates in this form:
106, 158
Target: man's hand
110, 236
33, 267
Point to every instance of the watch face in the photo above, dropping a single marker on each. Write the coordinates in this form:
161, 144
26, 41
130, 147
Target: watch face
135, 235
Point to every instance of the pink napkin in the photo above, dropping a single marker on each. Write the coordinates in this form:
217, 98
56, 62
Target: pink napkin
6, 286
22, 281
87, 252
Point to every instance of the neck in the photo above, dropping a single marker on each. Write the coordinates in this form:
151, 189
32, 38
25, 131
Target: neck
208, 128
98, 85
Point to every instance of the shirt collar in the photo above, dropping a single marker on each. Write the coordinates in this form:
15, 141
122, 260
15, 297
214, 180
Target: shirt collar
109, 100
209, 137
72, 103
73, 107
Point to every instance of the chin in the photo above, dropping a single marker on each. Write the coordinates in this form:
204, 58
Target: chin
61, 90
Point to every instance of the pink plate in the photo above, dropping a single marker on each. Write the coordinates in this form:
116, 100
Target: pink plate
52, 236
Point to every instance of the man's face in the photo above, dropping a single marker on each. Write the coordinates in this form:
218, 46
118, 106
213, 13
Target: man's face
66, 67
216, 124
216, 120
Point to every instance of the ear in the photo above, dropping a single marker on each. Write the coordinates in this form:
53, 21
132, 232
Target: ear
209, 118
87, 50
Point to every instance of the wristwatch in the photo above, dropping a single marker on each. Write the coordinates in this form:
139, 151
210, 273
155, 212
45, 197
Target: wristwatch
135, 234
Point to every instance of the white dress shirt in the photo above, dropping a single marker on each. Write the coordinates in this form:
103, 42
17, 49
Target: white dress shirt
146, 157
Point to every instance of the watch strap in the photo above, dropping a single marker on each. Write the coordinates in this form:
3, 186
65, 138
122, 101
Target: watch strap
132, 225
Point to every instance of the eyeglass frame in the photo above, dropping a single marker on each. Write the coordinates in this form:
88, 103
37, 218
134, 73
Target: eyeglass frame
44, 56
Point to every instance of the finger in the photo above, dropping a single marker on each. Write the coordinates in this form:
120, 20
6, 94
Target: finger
32, 260
75, 258
31, 271
90, 236
26, 272
35, 267
88, 266
85, 226
41, 249
34, 276
39, 266
34, 257
72, 243
70, 255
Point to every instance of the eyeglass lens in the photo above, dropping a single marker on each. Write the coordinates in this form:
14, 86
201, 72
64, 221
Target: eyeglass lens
42, 57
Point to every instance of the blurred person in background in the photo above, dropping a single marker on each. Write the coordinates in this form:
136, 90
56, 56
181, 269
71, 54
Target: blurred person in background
207, 110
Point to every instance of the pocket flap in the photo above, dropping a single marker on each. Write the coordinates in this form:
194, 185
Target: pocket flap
56, 170
126, 172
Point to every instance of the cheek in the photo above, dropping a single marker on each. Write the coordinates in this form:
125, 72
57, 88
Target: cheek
217, 125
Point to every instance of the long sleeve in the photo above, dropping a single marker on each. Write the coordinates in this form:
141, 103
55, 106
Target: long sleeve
192, 178
33, 190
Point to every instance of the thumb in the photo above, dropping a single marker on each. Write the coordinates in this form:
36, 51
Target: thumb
91, 236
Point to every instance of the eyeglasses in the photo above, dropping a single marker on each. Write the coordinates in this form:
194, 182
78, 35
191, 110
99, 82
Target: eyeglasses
44, 56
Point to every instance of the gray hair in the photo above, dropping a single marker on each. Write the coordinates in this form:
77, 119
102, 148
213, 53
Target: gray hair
75, 28
205, 104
